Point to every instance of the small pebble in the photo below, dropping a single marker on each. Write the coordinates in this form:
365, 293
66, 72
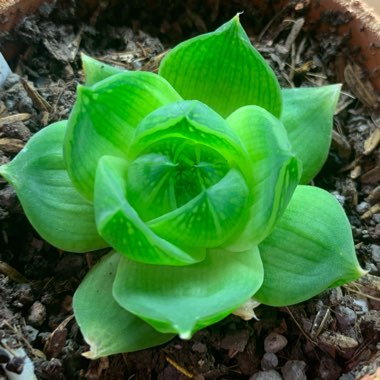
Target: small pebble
346, 317
199, 347
340, 198
24, 294
360, 306
274, 342
266, 375
294, 370
375, 252
362, 207
269, 361
362, 128
31, 333
11, 80
376, 218
329, 369
37, 314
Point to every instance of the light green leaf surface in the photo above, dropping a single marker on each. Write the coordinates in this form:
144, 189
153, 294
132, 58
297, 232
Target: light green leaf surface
310, 249
106, 326
95, 71
104, 119
223, 70
121, 226
193, 121
275, 171
210, 218
185, 148
308, 118
52, 204
185, 299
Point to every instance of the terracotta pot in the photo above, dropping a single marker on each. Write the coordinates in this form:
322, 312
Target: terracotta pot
12, 11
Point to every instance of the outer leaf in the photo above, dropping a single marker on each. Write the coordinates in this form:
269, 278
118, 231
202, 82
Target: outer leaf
186, 299
106, 326
120, 225
309, 250
308, 118
95, 71
223, 70
275, 171
50, 201
104, 118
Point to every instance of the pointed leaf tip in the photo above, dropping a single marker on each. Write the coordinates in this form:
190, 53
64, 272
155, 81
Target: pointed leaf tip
185, 299
106, 326
95, 71
310, 249
308, 118
223, 70
50, 200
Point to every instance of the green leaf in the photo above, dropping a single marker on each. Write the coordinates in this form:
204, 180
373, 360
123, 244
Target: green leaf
50, 201
190, 120
185, 148
104, 119
208, 219
308, 118
185, 299
274, 168
223, 70
95, 71
121, 226
310, 250
106, 326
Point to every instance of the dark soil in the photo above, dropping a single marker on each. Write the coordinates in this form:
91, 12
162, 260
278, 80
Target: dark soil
333, 336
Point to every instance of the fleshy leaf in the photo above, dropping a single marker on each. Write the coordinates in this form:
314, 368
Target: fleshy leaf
309, 250
52, 204
223, 70
308, 118
193, 121
208, 219
185, 299
185, 148
104, 118
275, 171
95, 71
106, 326
121, 226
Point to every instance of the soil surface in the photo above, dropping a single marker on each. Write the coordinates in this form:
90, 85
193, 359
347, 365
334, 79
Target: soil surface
333, 336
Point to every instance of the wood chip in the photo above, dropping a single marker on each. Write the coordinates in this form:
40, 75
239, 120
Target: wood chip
374, 196
372, 211
356, 172
39, 102
3, 109
372, 142
12, 273
179, 368
320, 321
9, 145
340, 341
341, 145
371, 176
6, 120
362, 89
294, 32
57, 339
